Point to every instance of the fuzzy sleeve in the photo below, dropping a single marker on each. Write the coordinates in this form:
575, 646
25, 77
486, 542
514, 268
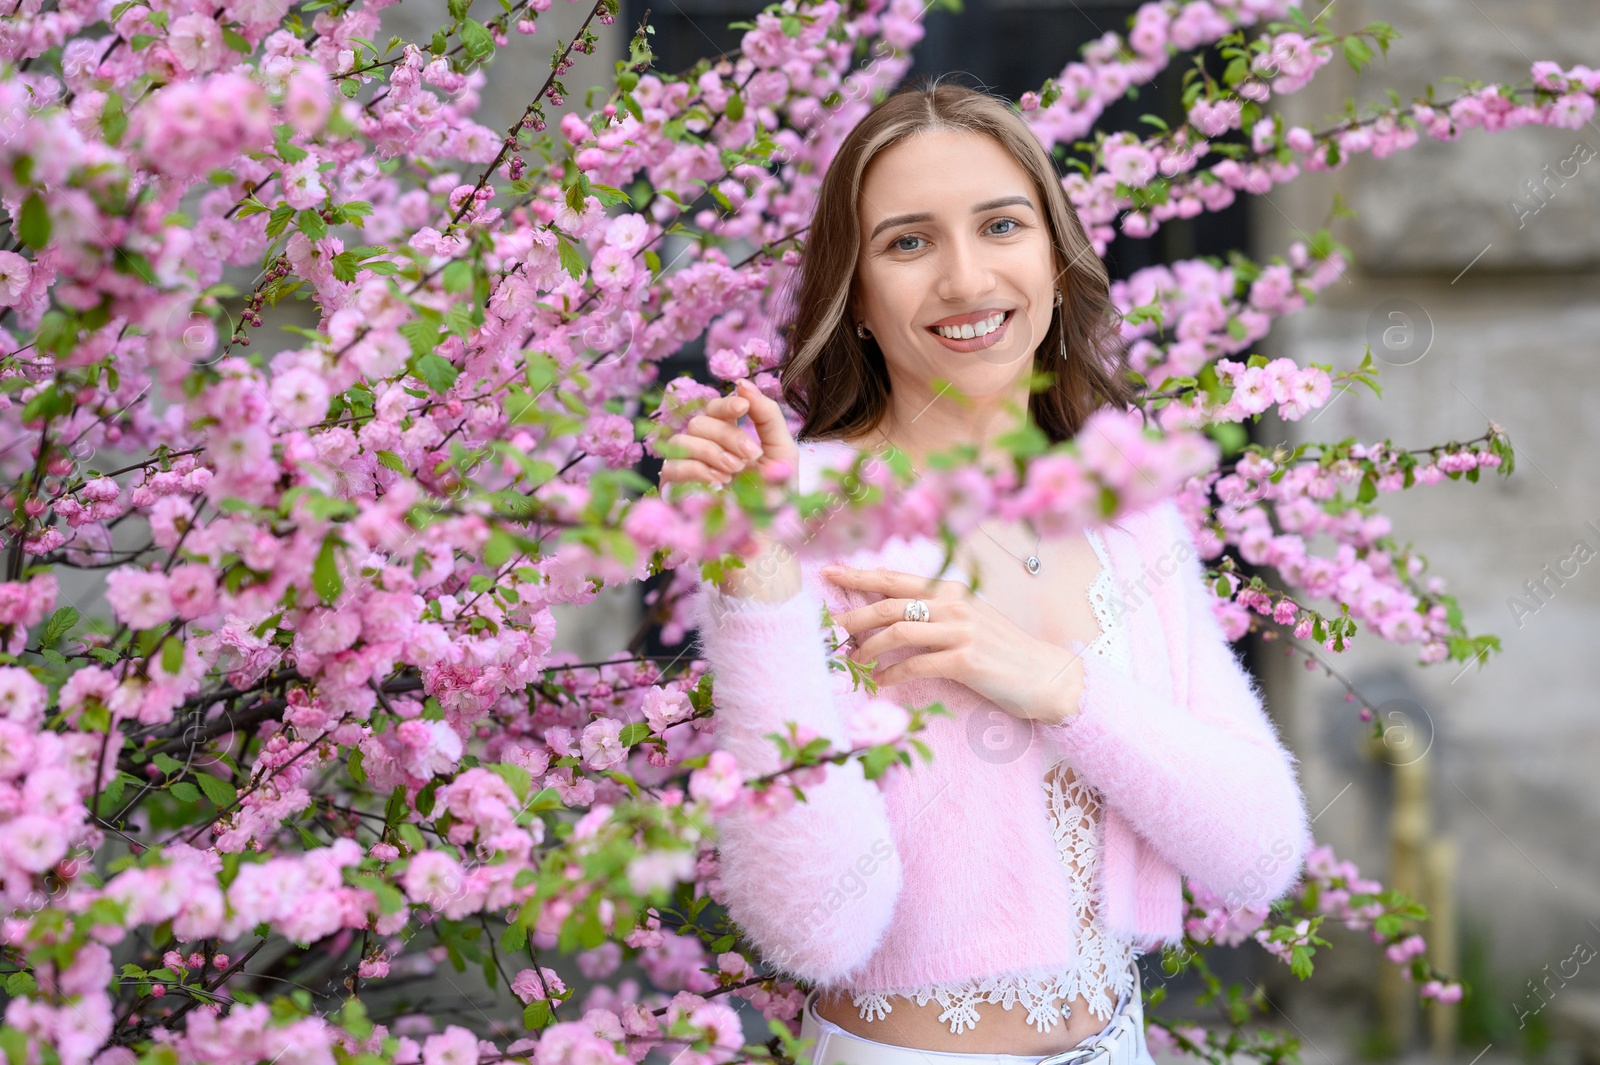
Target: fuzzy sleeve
815, 885
1209, 784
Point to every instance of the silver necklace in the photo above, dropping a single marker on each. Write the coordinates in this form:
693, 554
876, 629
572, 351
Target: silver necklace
1031, 563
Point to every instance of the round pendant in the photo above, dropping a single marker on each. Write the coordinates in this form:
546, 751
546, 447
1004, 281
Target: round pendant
1032, 563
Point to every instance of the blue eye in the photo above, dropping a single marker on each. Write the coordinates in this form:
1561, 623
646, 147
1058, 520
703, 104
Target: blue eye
899, 244
1005, 222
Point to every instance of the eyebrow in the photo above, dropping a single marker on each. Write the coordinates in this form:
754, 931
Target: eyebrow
986, 205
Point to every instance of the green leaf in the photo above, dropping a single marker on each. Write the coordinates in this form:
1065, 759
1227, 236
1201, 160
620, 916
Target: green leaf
353, 1017
395, 808
735, 107
282, 139
172, 654
235, 40
1369, 489
609, 196
325, 574
128, 261
1356, 52
461, 318
498, 549
345, 266
391, 460
423, 336
15, 1043
167, 764
571, 261
437, 371
516, 776
33, 225
185, 791
217, 790
457, 277
278, 221
425, 798
113, 119
59, 625
312, 225
389, 898
476, 40
411, 836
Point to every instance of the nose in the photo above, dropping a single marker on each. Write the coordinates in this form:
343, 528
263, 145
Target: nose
964, 271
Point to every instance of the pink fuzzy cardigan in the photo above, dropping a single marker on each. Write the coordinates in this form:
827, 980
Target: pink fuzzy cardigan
947, 870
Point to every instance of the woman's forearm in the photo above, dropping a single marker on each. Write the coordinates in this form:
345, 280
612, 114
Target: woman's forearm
780, 872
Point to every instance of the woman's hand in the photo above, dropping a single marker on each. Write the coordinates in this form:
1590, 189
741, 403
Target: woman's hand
965, 640
715, 449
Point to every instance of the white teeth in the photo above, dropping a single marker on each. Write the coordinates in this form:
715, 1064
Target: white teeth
971, 330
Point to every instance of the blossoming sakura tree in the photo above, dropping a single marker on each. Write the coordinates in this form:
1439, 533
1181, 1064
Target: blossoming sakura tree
278, 679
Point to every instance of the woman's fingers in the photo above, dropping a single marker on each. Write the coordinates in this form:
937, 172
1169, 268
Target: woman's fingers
683, 471
922, 635
886, 612
726, 434
730, 408
712, 454
767, 416
894, 583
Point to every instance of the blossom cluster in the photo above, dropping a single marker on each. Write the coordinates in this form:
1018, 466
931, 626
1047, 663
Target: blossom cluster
1138, 184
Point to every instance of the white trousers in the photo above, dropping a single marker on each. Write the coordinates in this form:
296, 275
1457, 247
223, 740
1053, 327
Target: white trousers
1120, 1042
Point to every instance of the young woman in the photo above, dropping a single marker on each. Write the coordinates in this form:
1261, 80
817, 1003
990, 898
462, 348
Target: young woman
1104, 740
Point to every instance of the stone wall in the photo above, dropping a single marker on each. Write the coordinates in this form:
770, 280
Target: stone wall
1500, 289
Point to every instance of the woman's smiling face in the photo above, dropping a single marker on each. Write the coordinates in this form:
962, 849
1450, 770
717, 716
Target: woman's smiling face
955, 277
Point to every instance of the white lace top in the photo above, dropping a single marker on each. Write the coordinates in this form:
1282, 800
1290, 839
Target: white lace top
1102, 973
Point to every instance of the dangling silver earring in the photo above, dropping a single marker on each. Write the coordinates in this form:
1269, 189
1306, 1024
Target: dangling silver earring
1058, 297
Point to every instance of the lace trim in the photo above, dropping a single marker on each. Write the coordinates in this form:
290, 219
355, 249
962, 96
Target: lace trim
1103, 959
1103, 971
1111, 643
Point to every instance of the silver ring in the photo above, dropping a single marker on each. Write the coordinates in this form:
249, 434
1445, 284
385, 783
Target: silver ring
916, 610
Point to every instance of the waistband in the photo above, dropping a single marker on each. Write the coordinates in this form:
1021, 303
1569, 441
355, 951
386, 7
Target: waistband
1120, 1042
